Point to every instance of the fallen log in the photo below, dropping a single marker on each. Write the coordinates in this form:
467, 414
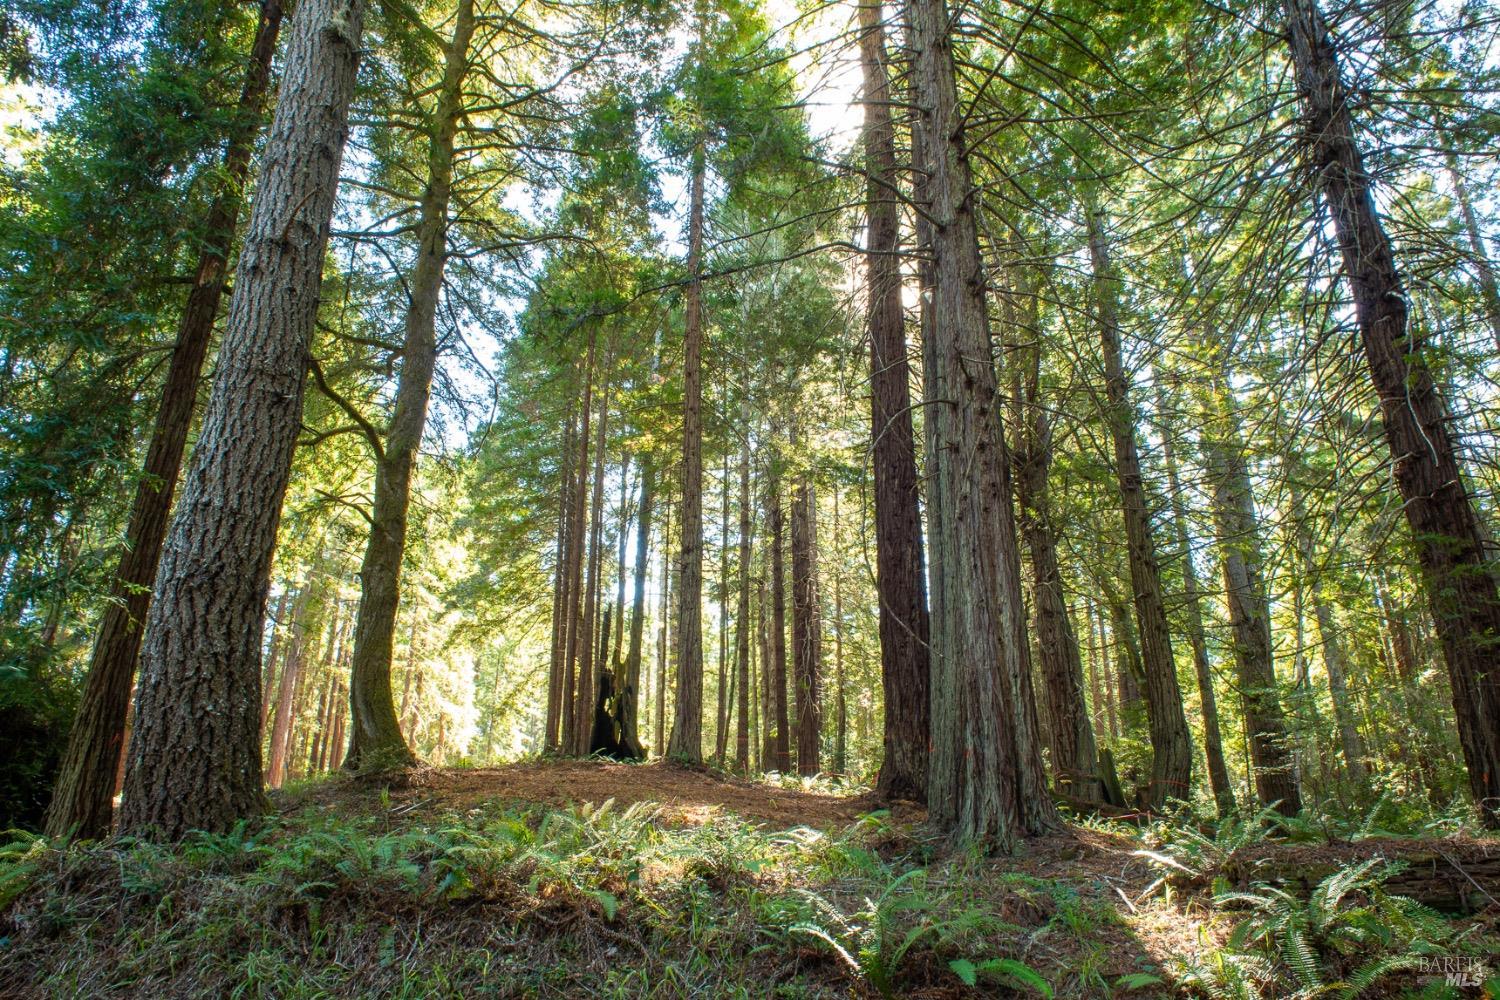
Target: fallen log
1450, 875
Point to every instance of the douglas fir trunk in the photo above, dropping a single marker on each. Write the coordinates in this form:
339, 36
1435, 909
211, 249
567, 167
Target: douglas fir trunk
195, 756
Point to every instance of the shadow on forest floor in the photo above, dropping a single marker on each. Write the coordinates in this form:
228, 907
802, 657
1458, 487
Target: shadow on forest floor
596, 879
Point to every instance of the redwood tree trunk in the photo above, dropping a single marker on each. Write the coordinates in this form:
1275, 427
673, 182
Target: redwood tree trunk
195, 757
630, 696
687, 721
375, 740
1335, 661
1249, 611
807, 627
582, 706
1192, 596
782, 743
1172, 748
742, 624
1460, 584
562, 580
985, 782
1075, 756
81, 797
900, 576
574, 612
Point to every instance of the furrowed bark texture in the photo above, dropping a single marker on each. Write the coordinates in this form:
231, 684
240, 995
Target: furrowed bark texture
1172, 748
195, 757
1460, 585
1335, 662
375, 739
82, 796
807, 627
742, 623
900, 575
1192, 596
1075, 756
782, 743
1249, 610
986, 782
631, 695
582, 707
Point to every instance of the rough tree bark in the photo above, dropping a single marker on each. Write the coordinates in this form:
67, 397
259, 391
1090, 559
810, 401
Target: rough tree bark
1192, 596
1335, 661
1075, 755
195, 757
807, 626
562, 580
742, 623
1238, 529
985, 780
630, 694
1172, 748
687, 721
725, 690
375, 740
781, 744
82, 795
900, 576
582, 706
1460, 585
665, 643
574, 613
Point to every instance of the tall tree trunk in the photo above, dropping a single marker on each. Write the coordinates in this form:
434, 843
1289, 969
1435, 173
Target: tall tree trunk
767, 688
1075, 755
807, 626
985, 780
782, 746
81, 796
375, 740
742, 623
291, 673
1249, 607
687, 722
1489, 290
562, 588
1172, 748
1101, 646
195, 757
268, 675
582, 707
630, 693
726, 686
1335, 661
666, 643
1460, 584
1192, 596
576, 534
622, 537
840, 696
320, 730
899, 572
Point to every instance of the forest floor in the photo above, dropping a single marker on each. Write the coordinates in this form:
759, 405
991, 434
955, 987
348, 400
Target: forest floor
593, 879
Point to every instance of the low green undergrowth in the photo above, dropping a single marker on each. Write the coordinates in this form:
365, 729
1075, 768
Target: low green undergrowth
615, 901
595, 901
